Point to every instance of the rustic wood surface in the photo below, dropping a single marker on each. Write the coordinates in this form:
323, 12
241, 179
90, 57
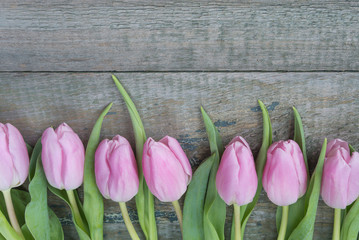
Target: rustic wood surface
169, 104
187, 35
56, 60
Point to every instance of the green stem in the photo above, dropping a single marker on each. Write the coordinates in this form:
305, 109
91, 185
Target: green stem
76, 212
283, 224
11, 212
237, 222
131, 230
179, 213
336, 226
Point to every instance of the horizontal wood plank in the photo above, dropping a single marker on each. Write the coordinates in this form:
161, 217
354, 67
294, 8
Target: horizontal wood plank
179, 36
169, 104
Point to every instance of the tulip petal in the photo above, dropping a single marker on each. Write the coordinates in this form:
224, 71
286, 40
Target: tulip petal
236, 178
102, 169
353, 184
240, 140
299, 165
52, 158
226, 178
335, 180
335, 144
6, 173
20, 156
160, 169
247, 176
177, 150
278, 181
123, 182
73, 160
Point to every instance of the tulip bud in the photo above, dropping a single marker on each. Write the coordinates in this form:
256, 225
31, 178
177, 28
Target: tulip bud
63, 157
340, 181
285, 174
236, 178
166, 168
116, 169
14, 158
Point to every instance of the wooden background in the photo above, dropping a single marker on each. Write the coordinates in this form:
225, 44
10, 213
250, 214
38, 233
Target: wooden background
57, 57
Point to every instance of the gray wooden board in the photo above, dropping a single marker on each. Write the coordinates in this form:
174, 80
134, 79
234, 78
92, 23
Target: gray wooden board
169, 104
181, 36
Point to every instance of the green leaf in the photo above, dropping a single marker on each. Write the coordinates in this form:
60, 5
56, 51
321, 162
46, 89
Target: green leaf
350, 223
351, 149
93, 201
20, 199
296, 210
56, 231
83, 233
33, 159
29, 149
194, 201
144, 198
6, 230
350, 227
26, 232
37, 213
299, 136
305, 228
214, 214
261, 159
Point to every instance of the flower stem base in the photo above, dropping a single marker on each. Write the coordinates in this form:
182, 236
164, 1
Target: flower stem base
178, 213
11, 212
283, 224
126, 218
76, 211
336, 226
237, 222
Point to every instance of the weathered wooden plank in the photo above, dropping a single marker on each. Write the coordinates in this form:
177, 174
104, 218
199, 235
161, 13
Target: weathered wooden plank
175, 36
169, 104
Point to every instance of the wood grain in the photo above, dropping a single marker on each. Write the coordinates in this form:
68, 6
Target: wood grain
169, 104
179, 36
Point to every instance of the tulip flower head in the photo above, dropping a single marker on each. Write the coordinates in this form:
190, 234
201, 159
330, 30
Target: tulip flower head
166, 168
285, 174
340, 181
63, 157
116, 169
14, 158
236, 178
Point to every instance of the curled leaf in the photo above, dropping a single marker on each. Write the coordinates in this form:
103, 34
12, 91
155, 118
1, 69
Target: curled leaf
214, 213
41, 222
93, 202
305, 228
246, 210
194, 201
144, 198
296, 210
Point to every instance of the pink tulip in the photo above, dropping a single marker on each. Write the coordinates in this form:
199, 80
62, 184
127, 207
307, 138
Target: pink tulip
236, 178
116, 169
166, 168
63, 157
14, 158
285, 175
340, 181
